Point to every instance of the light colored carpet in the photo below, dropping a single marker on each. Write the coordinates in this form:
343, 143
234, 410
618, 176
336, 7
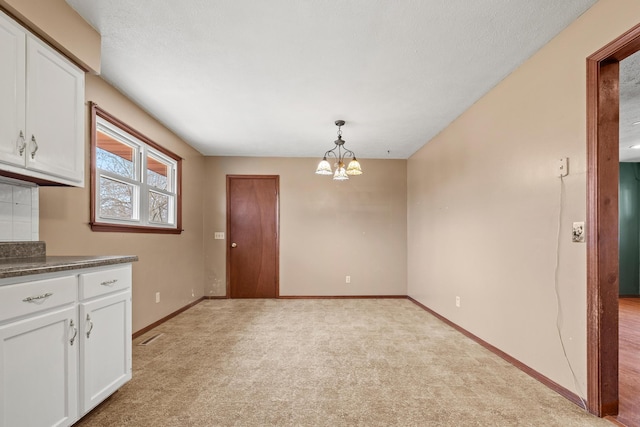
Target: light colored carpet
354, 362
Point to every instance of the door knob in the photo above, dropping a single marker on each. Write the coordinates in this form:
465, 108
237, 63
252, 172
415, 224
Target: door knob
233, 245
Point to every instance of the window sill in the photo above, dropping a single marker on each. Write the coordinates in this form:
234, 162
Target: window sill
118, 228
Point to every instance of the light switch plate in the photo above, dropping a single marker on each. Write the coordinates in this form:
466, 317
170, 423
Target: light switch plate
219, 235
577, 233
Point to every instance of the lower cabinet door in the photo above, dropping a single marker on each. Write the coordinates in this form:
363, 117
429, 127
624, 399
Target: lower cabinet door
105, 347
39, 368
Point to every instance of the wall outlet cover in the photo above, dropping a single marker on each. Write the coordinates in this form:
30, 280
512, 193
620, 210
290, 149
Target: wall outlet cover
577, 233
563, 167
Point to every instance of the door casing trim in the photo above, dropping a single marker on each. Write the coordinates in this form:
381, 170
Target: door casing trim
602, 221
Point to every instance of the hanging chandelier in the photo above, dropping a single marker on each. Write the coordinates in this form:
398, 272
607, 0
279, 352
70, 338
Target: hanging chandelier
339, 152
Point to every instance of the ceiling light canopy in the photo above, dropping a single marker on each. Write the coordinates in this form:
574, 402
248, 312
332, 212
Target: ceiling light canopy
339, 152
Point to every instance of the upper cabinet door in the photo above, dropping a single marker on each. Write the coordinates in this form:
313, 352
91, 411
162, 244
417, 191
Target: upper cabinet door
12, 92
55, 114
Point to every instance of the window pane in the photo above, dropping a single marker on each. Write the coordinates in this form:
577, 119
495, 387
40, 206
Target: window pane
157, 173
159, 207
116, 199
114, 156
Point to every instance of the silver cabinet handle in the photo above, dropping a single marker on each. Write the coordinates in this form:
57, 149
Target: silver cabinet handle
22, 144
90, 326
234, 245
75, 332
35, 148
108, 282
39, 297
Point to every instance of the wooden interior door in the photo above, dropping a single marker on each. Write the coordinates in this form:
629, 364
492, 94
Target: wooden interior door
252, 231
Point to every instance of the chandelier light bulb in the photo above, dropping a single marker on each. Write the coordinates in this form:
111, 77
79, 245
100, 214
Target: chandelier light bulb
324, 168
354, 168
341, 173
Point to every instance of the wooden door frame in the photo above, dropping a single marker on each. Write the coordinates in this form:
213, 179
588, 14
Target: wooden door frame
228, 241
603, 112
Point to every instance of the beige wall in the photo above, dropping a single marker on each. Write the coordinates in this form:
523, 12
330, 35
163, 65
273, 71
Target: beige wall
328, 229
473, 214
483, 205
61, 26
169, 264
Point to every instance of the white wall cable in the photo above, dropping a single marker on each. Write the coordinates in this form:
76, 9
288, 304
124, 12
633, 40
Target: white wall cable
559, 306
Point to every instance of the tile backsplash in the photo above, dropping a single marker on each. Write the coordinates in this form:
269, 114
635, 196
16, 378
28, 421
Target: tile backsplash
19, 211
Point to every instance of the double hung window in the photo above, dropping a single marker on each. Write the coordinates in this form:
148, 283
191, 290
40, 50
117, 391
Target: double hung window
135, 182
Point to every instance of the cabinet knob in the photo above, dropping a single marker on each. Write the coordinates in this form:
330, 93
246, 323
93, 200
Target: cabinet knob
90, 326
22, 144
39, 297
75, 332
35, 146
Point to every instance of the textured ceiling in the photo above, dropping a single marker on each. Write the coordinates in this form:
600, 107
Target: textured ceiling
269, 78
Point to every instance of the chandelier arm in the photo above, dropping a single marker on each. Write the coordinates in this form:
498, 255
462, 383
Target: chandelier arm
349, 153
331, 153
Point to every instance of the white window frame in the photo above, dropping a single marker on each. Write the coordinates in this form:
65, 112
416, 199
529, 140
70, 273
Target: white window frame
143, 148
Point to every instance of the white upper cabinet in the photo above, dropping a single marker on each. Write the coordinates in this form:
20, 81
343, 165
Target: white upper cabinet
12, 91
55, 96
42, 123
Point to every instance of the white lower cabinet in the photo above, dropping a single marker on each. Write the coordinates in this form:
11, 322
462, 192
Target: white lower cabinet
39, 370
105, 348
65, 344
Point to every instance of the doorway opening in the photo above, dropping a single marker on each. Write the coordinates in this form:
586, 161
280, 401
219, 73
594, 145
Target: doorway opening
603, 98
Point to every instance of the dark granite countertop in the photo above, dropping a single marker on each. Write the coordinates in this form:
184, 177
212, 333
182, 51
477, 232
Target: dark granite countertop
15, 267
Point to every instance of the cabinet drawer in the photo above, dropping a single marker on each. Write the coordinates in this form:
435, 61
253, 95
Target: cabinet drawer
31, 297
104, 281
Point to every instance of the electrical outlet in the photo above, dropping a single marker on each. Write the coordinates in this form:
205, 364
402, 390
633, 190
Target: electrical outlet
347, 279
157, 297
577, 233
457, 301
